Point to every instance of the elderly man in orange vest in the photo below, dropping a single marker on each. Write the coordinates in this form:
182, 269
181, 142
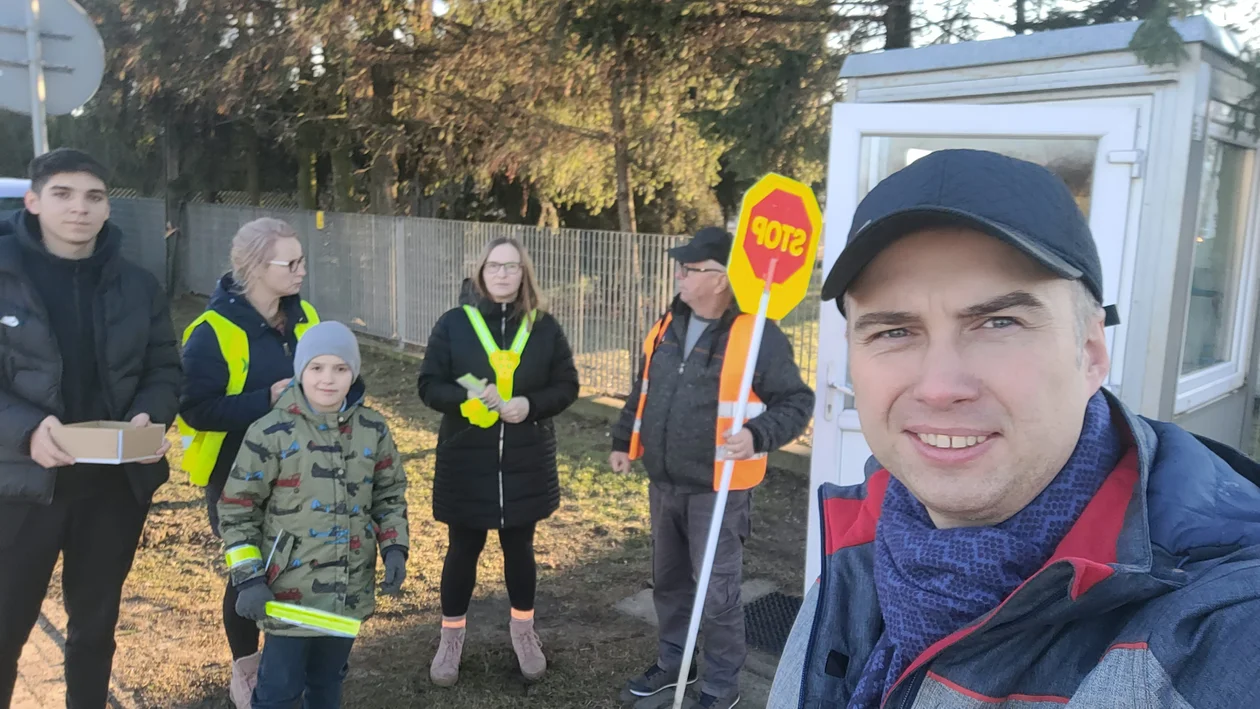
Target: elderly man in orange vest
694, 357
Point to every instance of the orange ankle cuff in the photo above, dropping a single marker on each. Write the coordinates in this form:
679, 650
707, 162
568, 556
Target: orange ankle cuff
454, 622
522, 615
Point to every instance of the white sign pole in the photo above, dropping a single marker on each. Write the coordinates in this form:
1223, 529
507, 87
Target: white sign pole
724, 489
35, 55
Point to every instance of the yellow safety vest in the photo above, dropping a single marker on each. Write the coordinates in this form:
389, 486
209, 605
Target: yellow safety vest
748, 473
201, 448
503, 362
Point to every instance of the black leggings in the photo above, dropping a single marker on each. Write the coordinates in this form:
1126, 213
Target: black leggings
459, 572
242, 633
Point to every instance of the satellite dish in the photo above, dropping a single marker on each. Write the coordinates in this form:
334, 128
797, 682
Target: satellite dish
51, 59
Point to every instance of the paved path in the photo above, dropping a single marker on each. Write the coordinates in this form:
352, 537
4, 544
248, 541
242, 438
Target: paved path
759, 668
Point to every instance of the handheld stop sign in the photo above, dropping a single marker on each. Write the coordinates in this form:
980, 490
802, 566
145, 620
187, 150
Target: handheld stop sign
771, 263
779, 223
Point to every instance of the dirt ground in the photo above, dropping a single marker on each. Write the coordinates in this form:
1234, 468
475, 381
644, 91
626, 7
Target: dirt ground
593, 552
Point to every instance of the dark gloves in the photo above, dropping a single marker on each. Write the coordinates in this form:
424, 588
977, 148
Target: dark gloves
251, 601
395, 572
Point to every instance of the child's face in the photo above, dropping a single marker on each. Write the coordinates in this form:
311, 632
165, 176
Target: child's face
326, 381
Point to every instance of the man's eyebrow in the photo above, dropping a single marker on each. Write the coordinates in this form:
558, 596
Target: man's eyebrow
901, 318
884, 318
1014, 299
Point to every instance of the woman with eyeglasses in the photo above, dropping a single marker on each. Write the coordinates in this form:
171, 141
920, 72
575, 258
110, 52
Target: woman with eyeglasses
496, 455
238, 359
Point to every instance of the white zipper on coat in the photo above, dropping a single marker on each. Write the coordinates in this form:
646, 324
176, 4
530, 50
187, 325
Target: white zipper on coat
502, 425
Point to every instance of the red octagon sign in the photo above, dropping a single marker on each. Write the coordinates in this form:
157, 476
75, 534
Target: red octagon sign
778, 228
779, 221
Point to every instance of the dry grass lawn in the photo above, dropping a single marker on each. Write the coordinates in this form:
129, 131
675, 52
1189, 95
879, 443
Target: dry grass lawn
593, 552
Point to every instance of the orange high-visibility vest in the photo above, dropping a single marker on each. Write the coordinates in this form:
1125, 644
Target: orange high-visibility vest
748, 473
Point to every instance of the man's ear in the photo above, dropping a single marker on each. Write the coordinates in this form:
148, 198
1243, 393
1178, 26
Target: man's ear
31, 201
1095, 358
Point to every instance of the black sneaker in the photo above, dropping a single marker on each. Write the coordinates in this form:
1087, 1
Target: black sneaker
708, 701
657, 680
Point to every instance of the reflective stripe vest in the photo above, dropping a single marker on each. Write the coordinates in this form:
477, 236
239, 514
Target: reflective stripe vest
201, 448
748, 473
503, 362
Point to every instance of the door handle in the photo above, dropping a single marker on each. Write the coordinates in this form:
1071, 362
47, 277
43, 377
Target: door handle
834, 390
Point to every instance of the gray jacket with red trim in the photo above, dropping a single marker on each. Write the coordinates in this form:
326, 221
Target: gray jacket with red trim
1151, 600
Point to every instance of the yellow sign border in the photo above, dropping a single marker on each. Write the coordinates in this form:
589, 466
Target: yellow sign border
746, 284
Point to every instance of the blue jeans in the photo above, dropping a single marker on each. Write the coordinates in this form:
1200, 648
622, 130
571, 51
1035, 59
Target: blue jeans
293, 668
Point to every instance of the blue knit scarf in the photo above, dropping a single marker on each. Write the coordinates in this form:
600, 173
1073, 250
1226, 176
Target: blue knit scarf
932, 582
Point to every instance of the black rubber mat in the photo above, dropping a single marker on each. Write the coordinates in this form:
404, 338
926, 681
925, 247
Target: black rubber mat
768, 620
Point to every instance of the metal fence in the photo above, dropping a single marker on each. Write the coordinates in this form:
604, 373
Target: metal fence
392, 277
143, 224
801, 327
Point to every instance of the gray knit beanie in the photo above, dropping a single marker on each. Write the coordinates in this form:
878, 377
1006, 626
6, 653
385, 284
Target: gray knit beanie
327, 338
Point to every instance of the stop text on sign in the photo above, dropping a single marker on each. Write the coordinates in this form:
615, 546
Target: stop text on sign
776, 220
773, 234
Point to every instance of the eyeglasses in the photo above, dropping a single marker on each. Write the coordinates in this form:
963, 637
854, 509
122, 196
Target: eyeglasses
686, 270
293, 265
511, 268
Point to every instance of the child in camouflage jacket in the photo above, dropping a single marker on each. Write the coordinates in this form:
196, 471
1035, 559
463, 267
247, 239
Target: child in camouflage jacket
316, 488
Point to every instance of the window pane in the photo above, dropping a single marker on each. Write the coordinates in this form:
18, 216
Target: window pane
1072, 159
1218, 244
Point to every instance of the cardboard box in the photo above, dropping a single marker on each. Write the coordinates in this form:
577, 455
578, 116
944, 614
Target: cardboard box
110, 442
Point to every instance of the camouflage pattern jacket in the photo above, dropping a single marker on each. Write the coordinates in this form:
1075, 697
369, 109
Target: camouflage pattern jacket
316, 493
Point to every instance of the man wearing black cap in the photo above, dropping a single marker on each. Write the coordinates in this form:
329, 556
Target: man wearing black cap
1021, 538
680, 430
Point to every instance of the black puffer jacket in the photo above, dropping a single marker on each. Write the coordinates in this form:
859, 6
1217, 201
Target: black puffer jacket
476, 485
135, 348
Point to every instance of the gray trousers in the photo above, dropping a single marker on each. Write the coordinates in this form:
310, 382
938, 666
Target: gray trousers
680, 527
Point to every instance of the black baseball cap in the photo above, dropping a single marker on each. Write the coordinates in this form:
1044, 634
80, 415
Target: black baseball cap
711, 242
1015, 201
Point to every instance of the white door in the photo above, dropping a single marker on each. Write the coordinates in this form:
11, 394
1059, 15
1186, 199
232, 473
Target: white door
1093, 148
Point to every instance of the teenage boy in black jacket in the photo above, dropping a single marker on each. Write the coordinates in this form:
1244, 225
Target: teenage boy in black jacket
85, 335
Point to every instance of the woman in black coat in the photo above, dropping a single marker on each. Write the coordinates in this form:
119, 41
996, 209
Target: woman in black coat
496, 456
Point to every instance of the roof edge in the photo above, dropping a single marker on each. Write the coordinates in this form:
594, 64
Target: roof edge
1052, 44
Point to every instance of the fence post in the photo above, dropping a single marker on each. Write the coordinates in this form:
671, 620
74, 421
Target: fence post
581, 293
398, 283
175, 238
